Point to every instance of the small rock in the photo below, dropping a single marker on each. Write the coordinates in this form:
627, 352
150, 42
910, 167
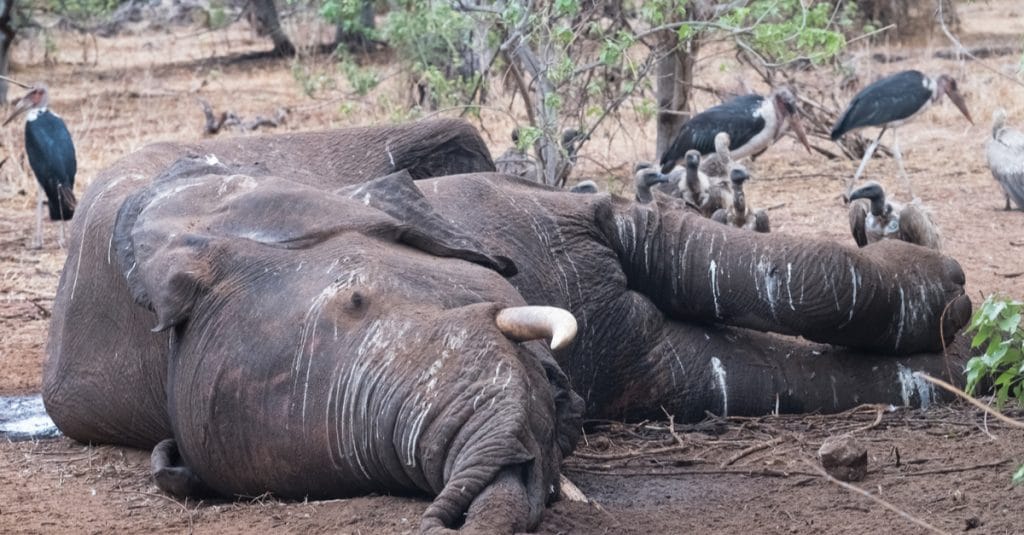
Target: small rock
973, 522
844, 458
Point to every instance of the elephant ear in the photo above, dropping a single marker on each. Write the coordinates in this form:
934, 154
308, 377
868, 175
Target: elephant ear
164, 265
398, 196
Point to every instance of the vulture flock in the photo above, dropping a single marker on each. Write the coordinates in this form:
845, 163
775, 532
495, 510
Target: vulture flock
702, 167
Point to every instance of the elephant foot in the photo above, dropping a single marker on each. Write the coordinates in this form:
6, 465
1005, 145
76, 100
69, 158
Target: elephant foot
170, 476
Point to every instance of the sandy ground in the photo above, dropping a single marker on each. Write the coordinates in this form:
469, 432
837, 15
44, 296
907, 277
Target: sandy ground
951, 470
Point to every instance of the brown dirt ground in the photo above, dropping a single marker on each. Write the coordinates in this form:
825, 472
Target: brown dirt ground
951, 470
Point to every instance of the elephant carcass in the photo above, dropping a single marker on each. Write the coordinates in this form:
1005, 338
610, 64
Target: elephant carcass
95, 341
669, 303
309, 327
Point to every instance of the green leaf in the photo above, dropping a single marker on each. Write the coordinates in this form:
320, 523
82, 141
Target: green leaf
1018, 476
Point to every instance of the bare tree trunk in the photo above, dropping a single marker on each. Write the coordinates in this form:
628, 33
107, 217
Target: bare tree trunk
265, 13
675, 77
7, 34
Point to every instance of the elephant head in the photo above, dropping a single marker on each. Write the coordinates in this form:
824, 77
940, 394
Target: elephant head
376, 354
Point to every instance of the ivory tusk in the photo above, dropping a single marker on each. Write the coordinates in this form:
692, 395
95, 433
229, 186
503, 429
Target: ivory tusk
533, 322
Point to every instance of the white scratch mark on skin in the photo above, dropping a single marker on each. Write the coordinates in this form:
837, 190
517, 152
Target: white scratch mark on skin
308, 333
713, 271
835, 395
719, 372
911, 384
391, 157
903, 315
410, 452
212, 159
854, 279
85, 231
771, 284
366, 199
675, 355
789, 288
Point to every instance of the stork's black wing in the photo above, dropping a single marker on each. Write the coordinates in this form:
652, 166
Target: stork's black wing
51, 154
737, 117
890, 99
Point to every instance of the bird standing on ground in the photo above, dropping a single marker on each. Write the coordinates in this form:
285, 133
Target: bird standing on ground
51, 155
1005, 154
753, 123
873, 218
890, 102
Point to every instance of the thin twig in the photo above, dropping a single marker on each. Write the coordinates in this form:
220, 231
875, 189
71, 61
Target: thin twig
960, 48
752, 449
879, 411
766, 472
184, 507
876, 499
956, 469
968, 398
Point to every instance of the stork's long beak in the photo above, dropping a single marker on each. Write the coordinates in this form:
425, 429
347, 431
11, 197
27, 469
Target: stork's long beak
958, 100
798, 127
21, 107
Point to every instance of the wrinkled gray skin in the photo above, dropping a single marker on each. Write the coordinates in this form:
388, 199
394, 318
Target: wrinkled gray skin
668, 305
293, 367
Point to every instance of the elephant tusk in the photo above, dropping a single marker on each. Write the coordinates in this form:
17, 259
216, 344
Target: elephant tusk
527, 323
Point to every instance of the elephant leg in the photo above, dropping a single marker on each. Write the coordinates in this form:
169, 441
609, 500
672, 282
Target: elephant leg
172, 477
738, 372
889, 297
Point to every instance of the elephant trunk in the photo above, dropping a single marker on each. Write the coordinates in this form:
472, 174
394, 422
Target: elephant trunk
890, 297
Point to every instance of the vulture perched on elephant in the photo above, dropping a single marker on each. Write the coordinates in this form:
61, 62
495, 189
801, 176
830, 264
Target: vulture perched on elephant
874, 218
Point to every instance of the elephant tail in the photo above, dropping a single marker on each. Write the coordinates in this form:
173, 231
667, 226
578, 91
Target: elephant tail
171, 476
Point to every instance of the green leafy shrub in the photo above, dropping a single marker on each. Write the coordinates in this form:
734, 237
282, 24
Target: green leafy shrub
997, 327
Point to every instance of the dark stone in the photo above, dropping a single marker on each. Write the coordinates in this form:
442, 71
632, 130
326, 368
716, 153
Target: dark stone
844, 458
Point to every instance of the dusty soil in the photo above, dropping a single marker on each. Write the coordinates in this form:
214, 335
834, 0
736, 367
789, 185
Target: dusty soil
944, 466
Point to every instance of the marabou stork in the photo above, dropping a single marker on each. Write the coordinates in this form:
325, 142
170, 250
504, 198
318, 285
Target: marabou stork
51, 155
892, 101
872, 218
753, 123
1005, 154
739, 214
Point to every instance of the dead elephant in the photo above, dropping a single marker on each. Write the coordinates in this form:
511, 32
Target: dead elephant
668, 306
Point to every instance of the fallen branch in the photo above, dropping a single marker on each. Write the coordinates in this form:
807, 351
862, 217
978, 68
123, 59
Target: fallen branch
228, 118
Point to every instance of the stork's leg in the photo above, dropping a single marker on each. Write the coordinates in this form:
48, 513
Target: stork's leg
864, 161
899, 162
60, 234
37, 238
